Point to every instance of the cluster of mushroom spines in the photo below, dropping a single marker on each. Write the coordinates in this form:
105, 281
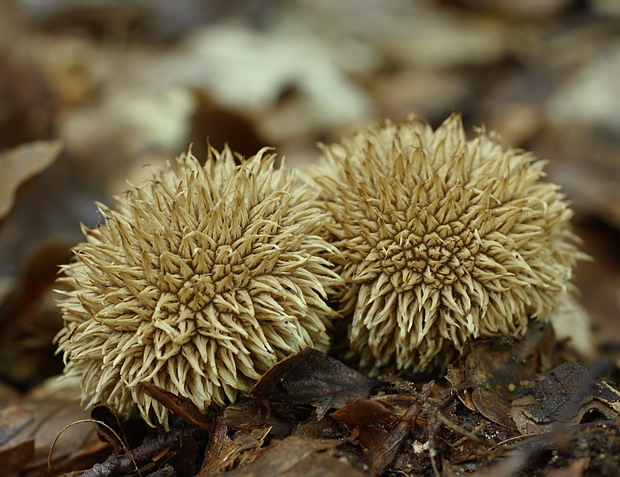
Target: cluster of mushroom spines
198, 282
441, 239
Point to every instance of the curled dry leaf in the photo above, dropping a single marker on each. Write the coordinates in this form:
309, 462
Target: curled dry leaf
312, 377
20, 164
370, 420
224, 453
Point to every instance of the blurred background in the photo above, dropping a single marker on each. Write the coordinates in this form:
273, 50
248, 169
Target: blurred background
91, 91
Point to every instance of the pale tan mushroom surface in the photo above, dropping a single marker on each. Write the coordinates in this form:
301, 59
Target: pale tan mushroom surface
197, 282
440, 239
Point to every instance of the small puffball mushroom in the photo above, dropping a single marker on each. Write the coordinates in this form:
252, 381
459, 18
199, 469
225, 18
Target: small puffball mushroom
441, 239
198, 282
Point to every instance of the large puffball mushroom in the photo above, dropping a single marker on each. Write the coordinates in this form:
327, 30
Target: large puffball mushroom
198, 282
441, 239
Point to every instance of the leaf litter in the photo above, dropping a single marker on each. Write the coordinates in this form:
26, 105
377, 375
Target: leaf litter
514, 407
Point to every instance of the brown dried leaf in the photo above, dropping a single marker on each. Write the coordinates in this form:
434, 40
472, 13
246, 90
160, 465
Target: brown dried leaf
40, 417
456, 377
380, 456
254, 413
562, 396
364, 411
225, 453
496, 368
312, 377
323, 465
20, 164
281, 457
14, 458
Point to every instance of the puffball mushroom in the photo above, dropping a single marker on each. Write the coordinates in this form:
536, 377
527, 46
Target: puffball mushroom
441, 239
198, 282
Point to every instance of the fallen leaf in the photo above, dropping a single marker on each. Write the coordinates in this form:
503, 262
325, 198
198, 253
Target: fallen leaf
496, 368
20, 164
323, 465
364, 411
455, 375
224, 453
40, 418
380, 456
14, 458
562, 395
282, 456
312, 377
255, 413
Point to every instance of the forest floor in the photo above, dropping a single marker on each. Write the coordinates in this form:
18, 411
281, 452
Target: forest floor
92, 92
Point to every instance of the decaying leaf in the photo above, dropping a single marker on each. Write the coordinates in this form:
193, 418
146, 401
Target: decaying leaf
22, 163
380, 456
562, 396
284, 458
15, 457
224, 453
35, 421
496, 368
364, 411
254, 413
312, 377
152, 454
323, 464
370, 420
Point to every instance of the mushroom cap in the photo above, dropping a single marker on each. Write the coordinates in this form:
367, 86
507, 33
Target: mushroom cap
441, 239
198, 282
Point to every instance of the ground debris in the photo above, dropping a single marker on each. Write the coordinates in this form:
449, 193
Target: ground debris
494, 370
126, 83
380, 456
563, 396
312, 377
290, 457
149, 457
224, 453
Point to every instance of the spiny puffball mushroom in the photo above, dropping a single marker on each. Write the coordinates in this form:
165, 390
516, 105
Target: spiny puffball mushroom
198, 282
441, 239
